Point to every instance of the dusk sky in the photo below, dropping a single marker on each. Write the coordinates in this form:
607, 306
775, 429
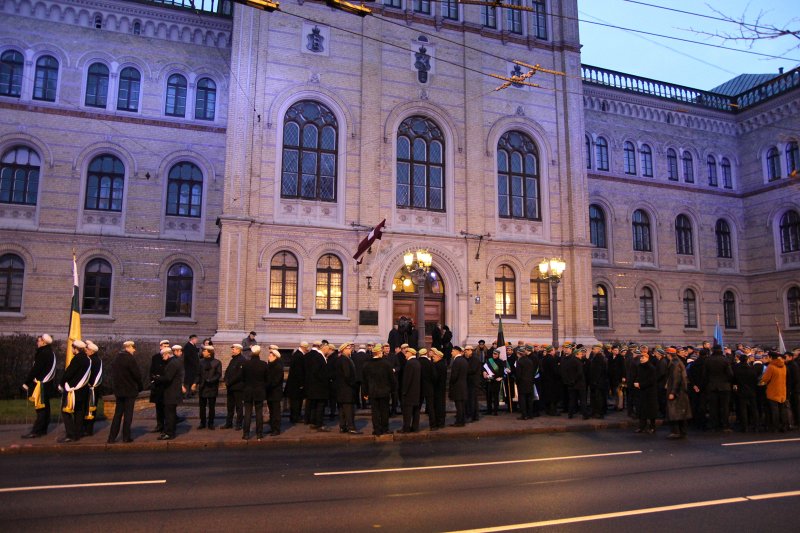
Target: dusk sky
679, 62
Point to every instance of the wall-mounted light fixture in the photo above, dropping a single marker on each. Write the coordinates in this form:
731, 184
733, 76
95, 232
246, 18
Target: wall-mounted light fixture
477, 290
369, 283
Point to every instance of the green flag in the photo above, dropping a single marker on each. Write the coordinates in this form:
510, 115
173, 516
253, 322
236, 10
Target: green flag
501, 339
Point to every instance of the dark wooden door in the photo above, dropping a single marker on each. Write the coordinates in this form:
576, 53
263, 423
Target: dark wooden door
406, 305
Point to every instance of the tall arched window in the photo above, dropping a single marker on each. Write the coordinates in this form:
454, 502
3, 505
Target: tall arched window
600, 306
729, 309
688, 168
792, 158
180, 279
641, 231
206, 100
105, 183
185, 190
97, 86
283, 283
12, 273
723, 233
587, 151
19, 176
176, 96
790, 232
683, 235
727, 176
505, 292
793, 306
711, 164
672, 165
689, 309
773, 164
329, 284
540, 297
597, 226
629, 153
420, 164
11, 66
45, 83
97, 287
310, 133
646, 155
517, 176
647, 311
129, 86
601, 153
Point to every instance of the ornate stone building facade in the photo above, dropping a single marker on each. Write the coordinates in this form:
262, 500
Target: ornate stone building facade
215, 170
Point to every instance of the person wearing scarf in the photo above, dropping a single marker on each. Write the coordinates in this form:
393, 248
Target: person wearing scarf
40, 385
75, 398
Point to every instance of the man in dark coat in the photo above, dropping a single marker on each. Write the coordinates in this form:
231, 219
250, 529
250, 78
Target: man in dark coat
295, 382
127, 383
191, 363
344, 383
617, 377
574, 378
360, 357
525, 372
317, 388
717, 380
458, 384
172, 380
234, 388
474, 380
439, 387
157, 364
598, 381
426, 388
274, 391
206, 385
255, 374
550, 380
679, 409
493, 371
93, 387
411, 387
40, 384
745, 386
646, 382
75, 399
378, 377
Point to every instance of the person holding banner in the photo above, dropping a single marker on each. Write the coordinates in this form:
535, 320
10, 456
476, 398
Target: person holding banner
75, 393
493, 372
40, 386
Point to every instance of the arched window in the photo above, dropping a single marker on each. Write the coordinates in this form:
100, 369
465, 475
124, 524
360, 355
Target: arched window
283, 283
729, 309
723, 233
601, 153
19, 176
98, 22
310, 133
630, 158
711, 164
683, 235
180, 279
185, 190
206, 100
137, 28
688, 168
97, 287
597, 226
672, 165
329, 284
641, 231
420, 164
587, 151
11, 65
792, 158
517, 176
727, 177
689, 309
129, 87
176, 96
12, 273
793, 306
505, 292
105, 183
600, 306
46, 81
97, 86
647, 312
646, 155
773, 164
540, 297
790, 232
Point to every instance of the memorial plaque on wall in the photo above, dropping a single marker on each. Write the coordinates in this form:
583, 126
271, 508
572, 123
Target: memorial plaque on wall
367, 318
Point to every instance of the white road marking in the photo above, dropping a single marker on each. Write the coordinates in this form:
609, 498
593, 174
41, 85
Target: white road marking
758, 442
84, 485
469, 465
633, 512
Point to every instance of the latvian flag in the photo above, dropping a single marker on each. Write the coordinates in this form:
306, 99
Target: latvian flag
375, 234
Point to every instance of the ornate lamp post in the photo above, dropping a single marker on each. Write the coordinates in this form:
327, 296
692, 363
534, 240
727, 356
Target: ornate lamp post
418, 265
551, 270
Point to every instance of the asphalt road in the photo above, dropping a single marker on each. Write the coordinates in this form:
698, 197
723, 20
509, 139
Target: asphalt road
419, 486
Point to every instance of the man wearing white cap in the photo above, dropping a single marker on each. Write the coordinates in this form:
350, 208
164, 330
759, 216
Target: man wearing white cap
40, 384
127, 381
95, 379
172, 380
157, 364
234, 385
75, 392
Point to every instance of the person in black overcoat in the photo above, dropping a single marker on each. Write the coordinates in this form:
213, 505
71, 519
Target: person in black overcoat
157, 364
255, 374
574, 378
295, 383
525, 372
439, 387
360, 357
717, 382
411, 388
317, 388
474, 381
206, 385
234, 388
274, 391
75, 382
93, 386
344, 383
331, 357
551, 381
379, 383
598, 381
458, 384
191, 363
745, 386
645, 384
426, 388
42, 373
127, 383
172, 380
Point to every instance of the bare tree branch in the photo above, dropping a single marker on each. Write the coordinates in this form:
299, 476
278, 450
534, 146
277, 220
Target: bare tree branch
752, 30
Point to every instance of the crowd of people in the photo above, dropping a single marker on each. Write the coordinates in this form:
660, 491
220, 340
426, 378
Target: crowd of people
681, 384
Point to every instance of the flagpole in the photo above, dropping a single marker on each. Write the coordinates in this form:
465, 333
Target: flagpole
75, 311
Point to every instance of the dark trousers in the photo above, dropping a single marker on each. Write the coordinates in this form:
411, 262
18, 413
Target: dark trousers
207, 405
679, 427
575, 396
632, 400
471, 408
123, 413
170, 418
410, 417
599, 401
440, 403
248, 416
235, 404
525, 404
308, 409
460, 416
317, 408
380, 415
73, 422
719, 409
747, 414
779, 416
295, 409
430, 408
159, 415
274, 415
794, 402
347, 416
42, 419
493, 396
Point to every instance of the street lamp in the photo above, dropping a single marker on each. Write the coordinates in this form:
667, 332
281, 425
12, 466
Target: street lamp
418, 264
551, 270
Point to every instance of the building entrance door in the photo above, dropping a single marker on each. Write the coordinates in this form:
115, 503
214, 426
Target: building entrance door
405, 300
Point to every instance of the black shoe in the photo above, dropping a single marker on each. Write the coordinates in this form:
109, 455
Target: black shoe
201, 426
111, 441
211, 427
227, 426
434, 428
66, 440
246, 436
638, 430
238, 428
342, 430
388, 432
31, 436
259, 437
274, 433
377, 433
323, 429
355, 432
457, 425
166, 437
159, 429
128, 440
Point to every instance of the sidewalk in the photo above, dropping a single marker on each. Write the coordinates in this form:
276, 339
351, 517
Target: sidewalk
189, 437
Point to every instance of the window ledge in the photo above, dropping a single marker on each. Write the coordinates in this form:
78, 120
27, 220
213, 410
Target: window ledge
99, 318
12, 315
649, 330
177, 320
508, 321
692, 330
535, 321
330, 317
286, 316
604, 328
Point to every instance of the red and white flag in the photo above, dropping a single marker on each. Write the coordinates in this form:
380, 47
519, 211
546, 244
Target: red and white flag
375, 234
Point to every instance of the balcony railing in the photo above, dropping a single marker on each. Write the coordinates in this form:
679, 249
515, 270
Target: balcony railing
221, 8
778, 85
